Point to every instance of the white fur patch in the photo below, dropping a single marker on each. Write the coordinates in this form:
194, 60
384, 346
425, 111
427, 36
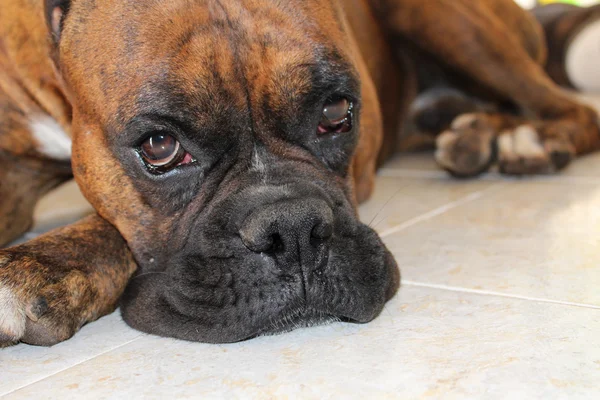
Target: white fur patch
52, 140
527, 142
524, 142
506, 146
258, 163
463, 121
444, 142
12, 315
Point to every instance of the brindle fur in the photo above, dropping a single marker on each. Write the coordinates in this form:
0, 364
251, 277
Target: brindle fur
225, 56
63, 281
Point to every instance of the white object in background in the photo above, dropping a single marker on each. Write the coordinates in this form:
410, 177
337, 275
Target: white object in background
583, 59
526, 3
532, 3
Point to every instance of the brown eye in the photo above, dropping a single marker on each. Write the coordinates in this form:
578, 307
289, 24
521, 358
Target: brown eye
337, 116
163, 152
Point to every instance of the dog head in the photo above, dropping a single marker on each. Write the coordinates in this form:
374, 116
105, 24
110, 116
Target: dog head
218, 137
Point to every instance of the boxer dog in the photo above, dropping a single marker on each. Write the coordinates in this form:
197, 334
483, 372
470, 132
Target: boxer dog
225, 145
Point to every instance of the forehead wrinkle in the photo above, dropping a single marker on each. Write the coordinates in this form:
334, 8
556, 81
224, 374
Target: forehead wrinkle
269, 47
204, 62
274, 51
203, 68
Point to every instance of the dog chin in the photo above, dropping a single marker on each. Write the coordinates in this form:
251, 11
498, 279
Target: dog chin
303, 317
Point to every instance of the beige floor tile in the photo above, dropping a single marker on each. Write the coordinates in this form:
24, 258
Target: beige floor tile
586, 166
421, 161
528, 239
62, 206
427, 344
397, 201
23, 365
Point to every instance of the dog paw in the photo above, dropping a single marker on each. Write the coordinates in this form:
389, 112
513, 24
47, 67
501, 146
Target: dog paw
467, 149
523, 152
472, 146
38, 306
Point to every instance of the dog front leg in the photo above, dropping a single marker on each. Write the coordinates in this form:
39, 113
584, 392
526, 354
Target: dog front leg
53, 285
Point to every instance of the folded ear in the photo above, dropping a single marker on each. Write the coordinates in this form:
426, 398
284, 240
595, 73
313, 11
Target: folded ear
56, 11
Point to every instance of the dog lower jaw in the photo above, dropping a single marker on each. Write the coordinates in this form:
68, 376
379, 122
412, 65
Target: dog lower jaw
302, 317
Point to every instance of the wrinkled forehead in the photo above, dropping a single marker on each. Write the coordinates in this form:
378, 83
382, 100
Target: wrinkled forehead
121, 55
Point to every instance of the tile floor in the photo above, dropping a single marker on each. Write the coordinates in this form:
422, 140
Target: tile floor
500, 299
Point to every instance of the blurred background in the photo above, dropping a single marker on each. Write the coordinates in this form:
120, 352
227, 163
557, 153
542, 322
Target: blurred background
533, 3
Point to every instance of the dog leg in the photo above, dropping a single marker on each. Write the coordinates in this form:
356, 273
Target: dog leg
34, 157
472, 39
54, 284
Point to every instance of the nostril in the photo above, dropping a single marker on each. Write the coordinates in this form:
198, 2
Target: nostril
263, 243
277, 245
321, 233
322, 230
257, 241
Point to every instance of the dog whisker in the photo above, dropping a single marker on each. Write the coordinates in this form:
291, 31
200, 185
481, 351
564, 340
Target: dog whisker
383, 208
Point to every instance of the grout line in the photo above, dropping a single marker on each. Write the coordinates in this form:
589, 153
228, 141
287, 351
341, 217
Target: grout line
490, 176
497, 294
434, 213
71, 366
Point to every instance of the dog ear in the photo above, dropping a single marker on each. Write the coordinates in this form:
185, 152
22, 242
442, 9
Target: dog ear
56, 11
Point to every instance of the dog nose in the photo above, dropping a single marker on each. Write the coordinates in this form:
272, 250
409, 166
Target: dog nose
295, 232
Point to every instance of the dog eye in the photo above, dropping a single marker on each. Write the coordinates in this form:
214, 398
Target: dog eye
162, 153
337, 116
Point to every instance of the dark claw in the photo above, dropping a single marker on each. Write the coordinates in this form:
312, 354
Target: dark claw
560, 159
